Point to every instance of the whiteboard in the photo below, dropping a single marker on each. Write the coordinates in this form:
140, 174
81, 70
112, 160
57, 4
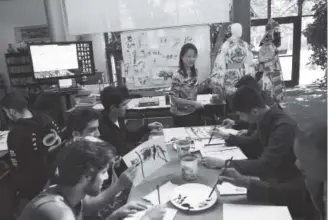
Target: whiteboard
152, 56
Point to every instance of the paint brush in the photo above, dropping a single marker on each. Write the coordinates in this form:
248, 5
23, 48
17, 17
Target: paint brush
226, 165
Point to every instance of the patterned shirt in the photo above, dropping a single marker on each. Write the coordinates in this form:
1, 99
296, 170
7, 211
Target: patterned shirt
184, 88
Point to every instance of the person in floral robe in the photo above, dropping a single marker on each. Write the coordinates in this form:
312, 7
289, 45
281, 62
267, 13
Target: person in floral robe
271, 80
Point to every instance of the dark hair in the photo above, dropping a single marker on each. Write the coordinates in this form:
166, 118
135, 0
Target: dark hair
79, 118
183, 51
124, 91
111, 96
14, 100
83, 156
316, 135
245, 99
248, 81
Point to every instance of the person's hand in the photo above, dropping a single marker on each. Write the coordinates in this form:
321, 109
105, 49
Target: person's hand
128, 210
242, 132
228, 123
212, 162
221, 134
198, 105
155, 126
126, 178
154, 213
231, 175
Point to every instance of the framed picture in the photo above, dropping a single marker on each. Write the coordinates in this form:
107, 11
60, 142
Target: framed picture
38, 33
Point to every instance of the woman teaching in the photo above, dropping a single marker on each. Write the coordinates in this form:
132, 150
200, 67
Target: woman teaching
184, 105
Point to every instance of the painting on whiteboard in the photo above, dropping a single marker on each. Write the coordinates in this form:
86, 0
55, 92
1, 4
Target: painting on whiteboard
152, 56
148, 158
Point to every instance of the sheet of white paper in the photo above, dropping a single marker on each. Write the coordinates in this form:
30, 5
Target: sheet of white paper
174, 133
169, 215
253, 212
229, 189
165, 191
148, 157
98, 107
3, 140
228, 130
223, 153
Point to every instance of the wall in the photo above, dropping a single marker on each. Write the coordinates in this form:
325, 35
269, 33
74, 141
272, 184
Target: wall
17, 13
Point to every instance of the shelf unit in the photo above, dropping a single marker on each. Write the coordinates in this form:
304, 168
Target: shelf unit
20, 71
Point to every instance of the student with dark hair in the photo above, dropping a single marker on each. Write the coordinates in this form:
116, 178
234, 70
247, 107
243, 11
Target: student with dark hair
184, 89
276, 134
82, 171
114, 102
32, 137
82, 122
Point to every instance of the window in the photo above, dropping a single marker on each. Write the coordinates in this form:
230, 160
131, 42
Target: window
284, 8
259, 9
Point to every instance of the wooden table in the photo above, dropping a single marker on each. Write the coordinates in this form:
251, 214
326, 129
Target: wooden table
171, 172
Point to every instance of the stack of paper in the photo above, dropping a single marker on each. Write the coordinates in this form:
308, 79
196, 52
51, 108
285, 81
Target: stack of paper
255, 212
169, 215
172, 134
227, 189
223, 153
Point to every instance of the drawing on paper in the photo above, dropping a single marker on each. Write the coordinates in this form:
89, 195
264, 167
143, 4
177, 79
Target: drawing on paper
147, 157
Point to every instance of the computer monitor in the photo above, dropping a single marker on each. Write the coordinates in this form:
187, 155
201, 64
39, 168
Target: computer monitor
62, 59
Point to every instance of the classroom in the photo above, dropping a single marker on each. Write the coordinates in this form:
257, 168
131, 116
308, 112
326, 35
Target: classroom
163, 110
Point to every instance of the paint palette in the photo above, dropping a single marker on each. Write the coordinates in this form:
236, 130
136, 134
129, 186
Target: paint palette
193, 197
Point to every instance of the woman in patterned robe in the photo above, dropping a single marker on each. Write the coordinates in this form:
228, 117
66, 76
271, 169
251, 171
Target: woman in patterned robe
234, 61
271, 80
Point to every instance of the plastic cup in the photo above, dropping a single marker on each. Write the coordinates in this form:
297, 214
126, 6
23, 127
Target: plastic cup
183, 147
189, 167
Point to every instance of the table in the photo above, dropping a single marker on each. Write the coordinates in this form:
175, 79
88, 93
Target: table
171, 172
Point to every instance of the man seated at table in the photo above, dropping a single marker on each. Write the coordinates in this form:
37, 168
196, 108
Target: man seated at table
311, 151
82, 171
114, 102
247, 138
30, 142
276, 134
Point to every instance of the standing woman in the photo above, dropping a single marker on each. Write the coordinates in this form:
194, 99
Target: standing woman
184, 106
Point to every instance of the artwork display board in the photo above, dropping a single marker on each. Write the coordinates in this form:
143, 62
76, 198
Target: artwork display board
152, 56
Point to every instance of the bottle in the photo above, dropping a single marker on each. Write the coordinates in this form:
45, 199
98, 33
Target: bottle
167, 99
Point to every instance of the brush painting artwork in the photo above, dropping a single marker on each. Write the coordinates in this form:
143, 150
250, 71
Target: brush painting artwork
148, 158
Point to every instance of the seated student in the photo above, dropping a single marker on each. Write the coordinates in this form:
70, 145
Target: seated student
311, 152
114, 103
276, 134
33, 135
82, 170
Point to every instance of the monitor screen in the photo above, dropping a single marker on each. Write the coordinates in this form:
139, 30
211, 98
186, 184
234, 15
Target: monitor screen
61, 60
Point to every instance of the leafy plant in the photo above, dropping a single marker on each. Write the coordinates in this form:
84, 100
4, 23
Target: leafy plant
316, 34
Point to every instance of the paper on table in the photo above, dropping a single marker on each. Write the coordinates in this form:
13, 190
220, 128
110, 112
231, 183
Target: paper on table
3, 140
98, 107
229, 189
165, 191
223, 153
169, 215
228, 130
254, 212
174, 133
